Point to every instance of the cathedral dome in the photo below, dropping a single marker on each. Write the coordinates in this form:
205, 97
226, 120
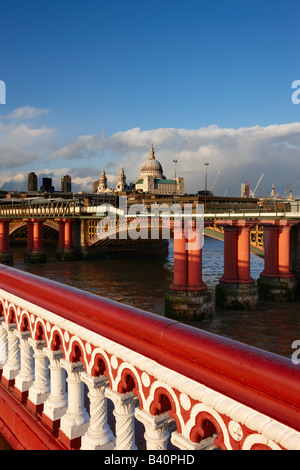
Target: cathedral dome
152, 166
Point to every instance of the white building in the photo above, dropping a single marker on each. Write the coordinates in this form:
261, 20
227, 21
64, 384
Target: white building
152, 179
121, 185
102, 186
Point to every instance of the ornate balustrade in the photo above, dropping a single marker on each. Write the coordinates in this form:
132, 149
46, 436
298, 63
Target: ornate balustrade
82, 372
49, 209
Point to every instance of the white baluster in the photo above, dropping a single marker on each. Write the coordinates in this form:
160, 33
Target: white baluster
40, 389
12, 366
75, 421
157, 429
125, 405
99, 435
183, 443
25, 377
56, 404
3, 344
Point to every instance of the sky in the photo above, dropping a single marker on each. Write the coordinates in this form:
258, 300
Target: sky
91, 83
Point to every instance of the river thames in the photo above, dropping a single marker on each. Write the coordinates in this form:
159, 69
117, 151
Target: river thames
143, 281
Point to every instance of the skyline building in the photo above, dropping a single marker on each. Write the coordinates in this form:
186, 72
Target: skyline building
32, 182
152, 179
66, 184
47, 185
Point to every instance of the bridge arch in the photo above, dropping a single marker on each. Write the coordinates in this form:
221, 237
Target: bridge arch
112, 234
18, 230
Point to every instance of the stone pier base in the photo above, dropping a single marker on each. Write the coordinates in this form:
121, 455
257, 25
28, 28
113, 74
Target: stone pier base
6, 257
276, 289
236, 296
35, 256
67, 254
188, 305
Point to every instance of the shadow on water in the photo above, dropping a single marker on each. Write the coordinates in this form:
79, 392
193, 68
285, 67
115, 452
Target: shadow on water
143, 282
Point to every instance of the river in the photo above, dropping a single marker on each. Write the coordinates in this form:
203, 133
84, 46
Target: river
143, 282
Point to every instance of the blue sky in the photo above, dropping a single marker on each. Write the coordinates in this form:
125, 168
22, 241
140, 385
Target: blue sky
90, 83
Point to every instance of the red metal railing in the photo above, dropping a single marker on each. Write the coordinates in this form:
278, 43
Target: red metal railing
264, 382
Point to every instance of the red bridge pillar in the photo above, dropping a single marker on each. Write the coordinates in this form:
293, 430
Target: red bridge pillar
188, 297
271, 250
284, 249
61, 234
180, 260
194, 250
236, 289
6, 256
35, 251
4, 235
65, 250
276, 282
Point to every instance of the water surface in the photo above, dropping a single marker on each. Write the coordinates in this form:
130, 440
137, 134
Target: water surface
143, 281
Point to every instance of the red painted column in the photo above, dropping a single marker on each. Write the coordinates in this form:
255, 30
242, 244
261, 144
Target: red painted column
180, 259
230, 254
68, 234
271, 250
243, 253
61, 239
29, 234
38, 235
194, 245
284, 249
4, 235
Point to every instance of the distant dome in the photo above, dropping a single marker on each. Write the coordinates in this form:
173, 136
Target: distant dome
152, 166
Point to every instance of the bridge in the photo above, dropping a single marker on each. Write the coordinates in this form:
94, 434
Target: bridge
78, 371
84, 227
82, 372
78, 221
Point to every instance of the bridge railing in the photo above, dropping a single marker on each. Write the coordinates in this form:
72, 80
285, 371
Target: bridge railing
62, 207
40, 210
152, 382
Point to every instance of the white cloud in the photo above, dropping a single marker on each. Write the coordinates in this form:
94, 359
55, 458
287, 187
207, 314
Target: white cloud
12, 180
13, 156
23, 133
26, 112
22, 143
241, 154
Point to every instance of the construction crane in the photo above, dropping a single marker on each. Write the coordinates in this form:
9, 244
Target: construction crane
253, 192
285, 191
216, 178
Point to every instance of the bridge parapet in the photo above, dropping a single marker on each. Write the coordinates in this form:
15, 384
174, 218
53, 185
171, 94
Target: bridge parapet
49, 209
215, 393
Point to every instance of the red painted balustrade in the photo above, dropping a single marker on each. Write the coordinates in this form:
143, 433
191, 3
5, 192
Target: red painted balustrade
152, 382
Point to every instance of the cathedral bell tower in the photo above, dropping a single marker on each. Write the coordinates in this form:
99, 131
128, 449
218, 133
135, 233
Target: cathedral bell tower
121, 186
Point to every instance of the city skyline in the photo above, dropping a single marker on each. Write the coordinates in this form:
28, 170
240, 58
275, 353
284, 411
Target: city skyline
90, 84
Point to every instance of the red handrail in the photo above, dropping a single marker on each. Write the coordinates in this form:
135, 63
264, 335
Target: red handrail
264, 381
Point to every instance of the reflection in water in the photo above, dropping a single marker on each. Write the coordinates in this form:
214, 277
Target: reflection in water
143, 282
